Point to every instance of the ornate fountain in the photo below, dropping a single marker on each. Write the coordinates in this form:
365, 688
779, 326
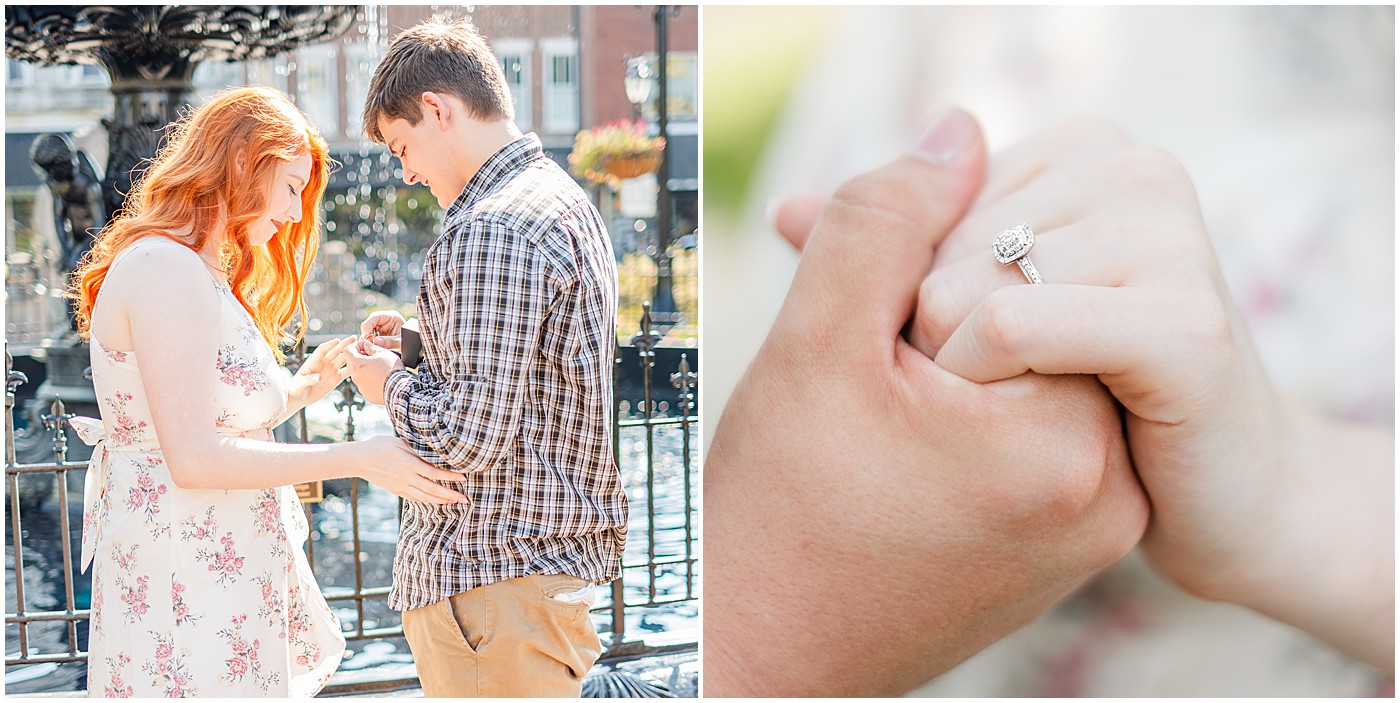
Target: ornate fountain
150, 53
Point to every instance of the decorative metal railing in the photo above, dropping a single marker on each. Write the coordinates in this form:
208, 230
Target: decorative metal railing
653, 441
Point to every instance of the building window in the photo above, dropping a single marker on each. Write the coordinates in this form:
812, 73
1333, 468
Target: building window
89, 74
516, 58
318, 91
84, 74
682, 87
18, 74
211, 77
268, 72
560, 90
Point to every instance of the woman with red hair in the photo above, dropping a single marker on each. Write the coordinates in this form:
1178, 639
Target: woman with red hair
200, 586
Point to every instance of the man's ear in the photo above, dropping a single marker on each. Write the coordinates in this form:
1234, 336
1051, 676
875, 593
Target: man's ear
437, 108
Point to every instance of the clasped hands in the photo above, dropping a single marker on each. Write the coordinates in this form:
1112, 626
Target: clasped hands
372, 359
368, 359
921, 495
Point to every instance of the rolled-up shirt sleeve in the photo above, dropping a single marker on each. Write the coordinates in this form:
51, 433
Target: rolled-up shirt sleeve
463, 415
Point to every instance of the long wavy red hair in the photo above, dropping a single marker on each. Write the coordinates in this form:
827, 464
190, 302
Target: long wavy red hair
218, 163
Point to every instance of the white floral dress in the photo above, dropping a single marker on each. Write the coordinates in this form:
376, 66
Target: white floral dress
197, 592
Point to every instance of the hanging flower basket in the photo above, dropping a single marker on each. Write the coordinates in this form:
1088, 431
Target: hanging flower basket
633, 166
615, 151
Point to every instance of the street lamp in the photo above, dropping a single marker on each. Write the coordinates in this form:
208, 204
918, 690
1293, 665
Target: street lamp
638, 79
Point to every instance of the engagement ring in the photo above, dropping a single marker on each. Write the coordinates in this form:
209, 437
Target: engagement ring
1015, 245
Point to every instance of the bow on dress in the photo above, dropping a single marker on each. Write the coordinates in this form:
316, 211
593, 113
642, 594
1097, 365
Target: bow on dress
94, 434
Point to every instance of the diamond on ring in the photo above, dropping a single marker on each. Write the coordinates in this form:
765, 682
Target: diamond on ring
1015, 245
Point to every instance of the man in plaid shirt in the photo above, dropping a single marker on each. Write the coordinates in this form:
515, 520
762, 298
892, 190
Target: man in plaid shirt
518, 306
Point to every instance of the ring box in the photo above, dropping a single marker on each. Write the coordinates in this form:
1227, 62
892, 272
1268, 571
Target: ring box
410, 344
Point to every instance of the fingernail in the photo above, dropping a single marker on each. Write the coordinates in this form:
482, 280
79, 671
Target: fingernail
770, 212
947, 139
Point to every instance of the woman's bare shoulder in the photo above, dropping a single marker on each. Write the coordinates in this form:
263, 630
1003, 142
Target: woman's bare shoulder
156, 269
153, 278
156, 258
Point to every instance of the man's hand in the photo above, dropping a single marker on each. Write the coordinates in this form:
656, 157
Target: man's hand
879, 518
382, 328
370, 366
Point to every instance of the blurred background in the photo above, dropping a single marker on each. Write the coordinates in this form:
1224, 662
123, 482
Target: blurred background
569, 69
1284, 118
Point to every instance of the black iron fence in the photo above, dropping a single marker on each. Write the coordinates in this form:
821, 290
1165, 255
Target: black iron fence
651, 609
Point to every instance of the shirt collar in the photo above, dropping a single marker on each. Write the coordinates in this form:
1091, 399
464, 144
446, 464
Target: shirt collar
499, 168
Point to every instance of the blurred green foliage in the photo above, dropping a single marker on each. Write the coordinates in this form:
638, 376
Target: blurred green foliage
636, 283
750, 70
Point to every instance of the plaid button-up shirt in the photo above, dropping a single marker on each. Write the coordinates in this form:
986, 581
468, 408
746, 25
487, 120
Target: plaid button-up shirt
517, 313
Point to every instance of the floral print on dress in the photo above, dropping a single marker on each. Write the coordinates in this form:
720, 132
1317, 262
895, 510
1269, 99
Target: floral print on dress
90, 522
114, 356
131, 587
97, 609
225, 419
183, 614
135, 598
192, 529
249, 333
116, 686
145, 496
272, 610
124, 429
267, 513
274, 421
240, 372
170, 670
222, 553
267, 518
298, 626
244, 656
227, 564
296, 521
223, 560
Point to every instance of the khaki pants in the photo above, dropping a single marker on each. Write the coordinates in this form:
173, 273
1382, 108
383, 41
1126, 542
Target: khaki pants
511, 638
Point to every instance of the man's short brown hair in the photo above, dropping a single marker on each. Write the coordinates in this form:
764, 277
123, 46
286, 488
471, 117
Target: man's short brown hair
440, 57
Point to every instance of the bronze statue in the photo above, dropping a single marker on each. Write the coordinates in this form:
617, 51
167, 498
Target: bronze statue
78, 214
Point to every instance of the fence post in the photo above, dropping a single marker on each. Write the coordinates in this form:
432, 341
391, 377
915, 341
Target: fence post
684, 380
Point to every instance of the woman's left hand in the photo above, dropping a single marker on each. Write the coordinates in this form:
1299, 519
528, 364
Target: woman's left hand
320, 374
1254, 500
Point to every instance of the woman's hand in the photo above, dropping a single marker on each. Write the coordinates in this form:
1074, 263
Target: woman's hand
319, 374
391, 465
1251, 500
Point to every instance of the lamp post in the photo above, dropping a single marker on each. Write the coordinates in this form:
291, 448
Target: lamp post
663, 303
638, 80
